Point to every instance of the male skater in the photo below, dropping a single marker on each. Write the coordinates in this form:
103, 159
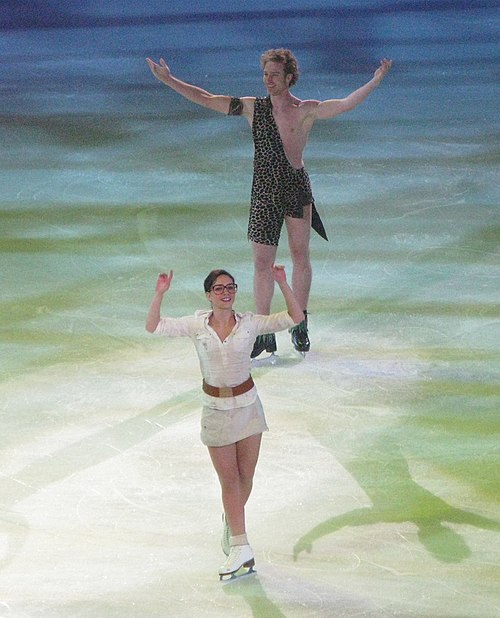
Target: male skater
281, 190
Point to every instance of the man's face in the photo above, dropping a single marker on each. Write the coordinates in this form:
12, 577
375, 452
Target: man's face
274, 78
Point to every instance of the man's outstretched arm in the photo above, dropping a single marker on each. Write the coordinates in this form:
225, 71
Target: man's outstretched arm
334, 107
217, 102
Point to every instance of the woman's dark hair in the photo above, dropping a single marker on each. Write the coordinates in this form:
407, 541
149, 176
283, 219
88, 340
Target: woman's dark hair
212, 276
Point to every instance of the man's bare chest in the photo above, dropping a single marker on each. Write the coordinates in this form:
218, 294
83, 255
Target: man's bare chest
289, 124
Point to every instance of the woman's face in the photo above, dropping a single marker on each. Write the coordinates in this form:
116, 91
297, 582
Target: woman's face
222, 293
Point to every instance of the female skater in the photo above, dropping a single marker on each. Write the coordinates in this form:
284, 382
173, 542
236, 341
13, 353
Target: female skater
232, 418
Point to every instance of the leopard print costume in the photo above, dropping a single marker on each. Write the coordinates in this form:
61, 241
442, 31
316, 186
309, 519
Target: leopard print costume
278, 189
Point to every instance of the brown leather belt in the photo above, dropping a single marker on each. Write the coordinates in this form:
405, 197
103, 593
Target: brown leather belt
228, 391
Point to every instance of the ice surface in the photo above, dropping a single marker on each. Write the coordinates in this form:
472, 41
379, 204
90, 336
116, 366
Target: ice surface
377, 490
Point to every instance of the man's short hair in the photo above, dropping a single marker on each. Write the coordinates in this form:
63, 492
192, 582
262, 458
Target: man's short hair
286, 58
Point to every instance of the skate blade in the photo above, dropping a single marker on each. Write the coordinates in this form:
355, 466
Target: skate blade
272, 359
238, 575
243, 571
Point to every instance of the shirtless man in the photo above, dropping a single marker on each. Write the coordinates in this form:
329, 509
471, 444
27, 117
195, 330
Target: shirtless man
281, 191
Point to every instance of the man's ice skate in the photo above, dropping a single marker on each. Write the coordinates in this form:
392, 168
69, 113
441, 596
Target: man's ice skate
240, 557
300, 337
226, 533
264, 343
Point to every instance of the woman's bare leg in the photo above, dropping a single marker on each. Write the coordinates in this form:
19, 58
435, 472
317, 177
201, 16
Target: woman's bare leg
235, 466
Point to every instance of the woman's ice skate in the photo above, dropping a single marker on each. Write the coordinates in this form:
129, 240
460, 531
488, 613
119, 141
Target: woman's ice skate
240, 556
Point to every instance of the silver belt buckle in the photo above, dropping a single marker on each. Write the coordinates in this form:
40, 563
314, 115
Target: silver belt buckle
225, 391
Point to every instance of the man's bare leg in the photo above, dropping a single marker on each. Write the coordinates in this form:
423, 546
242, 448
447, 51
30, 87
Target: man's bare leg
263, 289
299, 234
263, 282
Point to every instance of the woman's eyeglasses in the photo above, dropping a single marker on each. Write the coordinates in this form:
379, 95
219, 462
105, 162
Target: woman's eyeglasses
219, 288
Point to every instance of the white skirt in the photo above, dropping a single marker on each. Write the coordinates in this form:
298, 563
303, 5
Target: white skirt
223, 427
